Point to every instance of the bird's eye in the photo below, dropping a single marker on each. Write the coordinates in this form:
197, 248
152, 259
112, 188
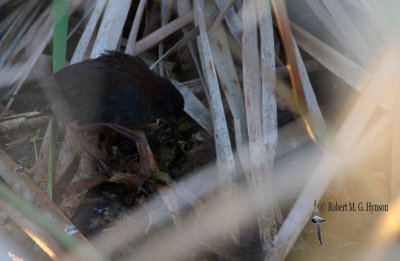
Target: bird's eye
171, 110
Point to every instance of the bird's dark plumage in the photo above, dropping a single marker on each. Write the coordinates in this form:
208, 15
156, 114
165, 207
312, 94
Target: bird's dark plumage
120, 89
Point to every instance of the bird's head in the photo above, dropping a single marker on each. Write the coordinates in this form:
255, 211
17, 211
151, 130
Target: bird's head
169, 106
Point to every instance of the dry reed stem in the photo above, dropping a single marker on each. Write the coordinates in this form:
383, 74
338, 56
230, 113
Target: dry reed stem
232, 20
253, 101
291, 136
183, 7
268, 82
195, 108
337, 63
230, 84
111, 26
311, 100
130, 46
306, 102
364, 7
40, 169
268, 100
326, 19
354, 39
225, 161
162, 33
281, 72
24, 120
88, 32
69, 148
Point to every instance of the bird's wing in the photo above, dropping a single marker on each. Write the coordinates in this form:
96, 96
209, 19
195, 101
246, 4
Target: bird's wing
315, 208
82, 85
319, 232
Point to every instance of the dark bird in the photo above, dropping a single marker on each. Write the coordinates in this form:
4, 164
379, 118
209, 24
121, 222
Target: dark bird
318, 220
118, 89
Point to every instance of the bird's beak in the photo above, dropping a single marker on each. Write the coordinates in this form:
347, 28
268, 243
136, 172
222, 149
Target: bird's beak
174, 127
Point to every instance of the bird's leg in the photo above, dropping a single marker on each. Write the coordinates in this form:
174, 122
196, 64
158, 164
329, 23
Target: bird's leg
118, 128
147, 161
133, 135
88, 148
103, 165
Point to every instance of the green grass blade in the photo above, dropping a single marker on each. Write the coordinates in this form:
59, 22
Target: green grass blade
60, 23
60, 14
